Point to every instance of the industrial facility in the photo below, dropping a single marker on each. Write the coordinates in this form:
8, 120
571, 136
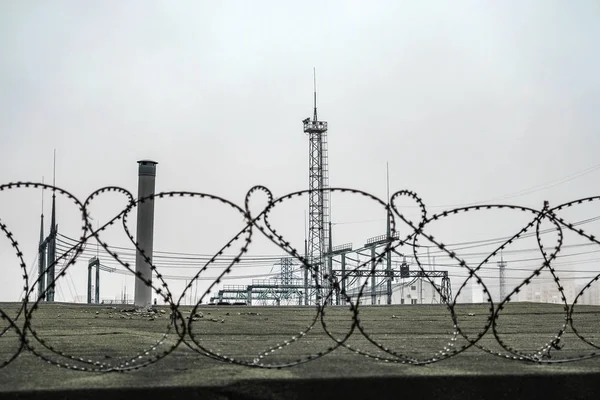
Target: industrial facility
340, 272
371, 273
337, 274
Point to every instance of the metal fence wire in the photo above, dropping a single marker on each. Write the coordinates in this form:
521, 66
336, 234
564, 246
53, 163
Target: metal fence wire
181, 331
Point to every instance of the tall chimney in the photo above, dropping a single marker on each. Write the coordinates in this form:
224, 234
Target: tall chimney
145, 231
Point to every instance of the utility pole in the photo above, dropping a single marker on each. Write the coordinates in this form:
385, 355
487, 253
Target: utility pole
373, 266
97, 281
305, 273
372, 243
334, 251
389, 238
330, 267
93, 262
343, 277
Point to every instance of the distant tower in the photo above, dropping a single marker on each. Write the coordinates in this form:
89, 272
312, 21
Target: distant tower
502, 271
287, 271
42, 256
318, 198
50, 275
145, 231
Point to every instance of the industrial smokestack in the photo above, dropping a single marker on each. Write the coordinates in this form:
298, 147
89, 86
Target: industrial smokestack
145, 231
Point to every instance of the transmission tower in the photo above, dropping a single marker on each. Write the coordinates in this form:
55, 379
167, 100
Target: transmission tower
502, 271
446, 290
287, 271
318, 197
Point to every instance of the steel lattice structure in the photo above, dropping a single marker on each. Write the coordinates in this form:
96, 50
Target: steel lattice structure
287, 270
318, 198
287, 289
502, 273
404, 273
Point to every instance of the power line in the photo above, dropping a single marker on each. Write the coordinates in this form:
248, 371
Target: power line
204, 278
486, 242
181, 255
206, 257
174, 264
524, 192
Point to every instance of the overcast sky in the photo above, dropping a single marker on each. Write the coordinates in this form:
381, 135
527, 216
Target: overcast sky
467, 101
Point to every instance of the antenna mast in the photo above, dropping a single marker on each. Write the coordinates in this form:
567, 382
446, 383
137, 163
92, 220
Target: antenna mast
388, 255
318, 197
305, 231
315, 93
50, 273
54, 170
387, 171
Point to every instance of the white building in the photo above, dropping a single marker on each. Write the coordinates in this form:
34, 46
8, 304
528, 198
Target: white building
547, 292
413, 291
591, 295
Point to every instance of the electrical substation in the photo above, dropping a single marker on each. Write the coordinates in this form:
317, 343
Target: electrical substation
340, 272
336, 268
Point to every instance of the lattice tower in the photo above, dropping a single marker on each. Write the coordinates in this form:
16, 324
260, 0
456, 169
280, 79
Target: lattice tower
318, 198
287, 271
502, 276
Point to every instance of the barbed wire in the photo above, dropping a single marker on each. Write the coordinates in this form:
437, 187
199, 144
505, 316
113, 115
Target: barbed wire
185, 331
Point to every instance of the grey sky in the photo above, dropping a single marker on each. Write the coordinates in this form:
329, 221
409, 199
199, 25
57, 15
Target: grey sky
467, 101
